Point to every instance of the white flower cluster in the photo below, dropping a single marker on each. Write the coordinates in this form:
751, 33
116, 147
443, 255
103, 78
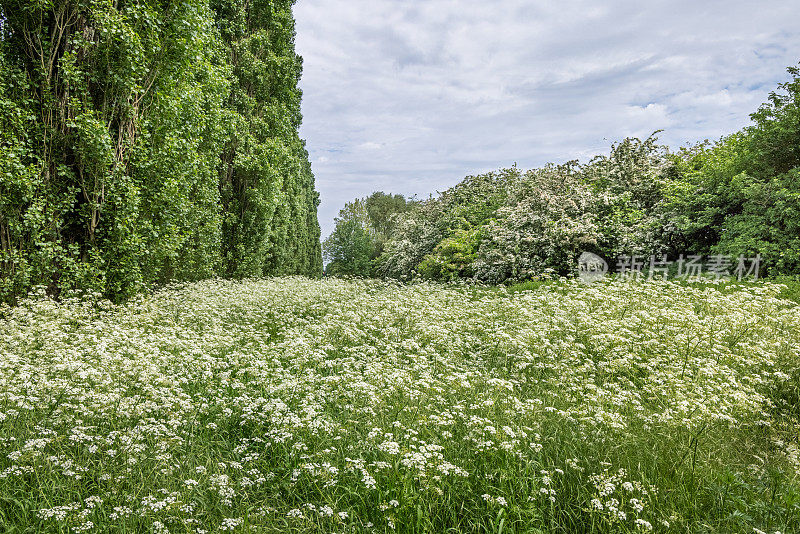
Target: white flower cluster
200, 403
620, 500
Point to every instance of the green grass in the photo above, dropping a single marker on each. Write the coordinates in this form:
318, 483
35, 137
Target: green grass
294, 405
792, 290
529, 285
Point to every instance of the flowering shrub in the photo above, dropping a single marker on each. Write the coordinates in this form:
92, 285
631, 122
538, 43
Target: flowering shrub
736, 197
441, 232
293, 405
546, 223
514, 225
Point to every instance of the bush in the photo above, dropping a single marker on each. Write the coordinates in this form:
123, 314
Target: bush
362, 229
738, 196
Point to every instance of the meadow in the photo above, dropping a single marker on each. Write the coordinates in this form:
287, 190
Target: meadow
299, 405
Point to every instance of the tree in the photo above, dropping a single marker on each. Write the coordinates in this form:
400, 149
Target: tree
267, 188
362, 229
382, 209
350, 249
741, 195
145, 142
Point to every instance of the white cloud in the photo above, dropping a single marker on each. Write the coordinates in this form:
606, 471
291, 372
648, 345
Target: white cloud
369, 145
410, 97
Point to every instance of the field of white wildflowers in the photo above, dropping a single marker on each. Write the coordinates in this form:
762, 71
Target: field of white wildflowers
295, 405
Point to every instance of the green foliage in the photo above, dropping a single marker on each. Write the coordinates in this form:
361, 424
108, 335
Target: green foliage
17, 179
362, 229
453, 257
382, 211
776, 132
124, 126
381, 208
268, 197
739, 196
769, 223
350, 249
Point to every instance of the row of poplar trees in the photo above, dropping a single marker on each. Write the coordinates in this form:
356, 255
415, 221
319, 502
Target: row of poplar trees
145, 141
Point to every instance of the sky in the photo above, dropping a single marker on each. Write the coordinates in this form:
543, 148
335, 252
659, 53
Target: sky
410, 97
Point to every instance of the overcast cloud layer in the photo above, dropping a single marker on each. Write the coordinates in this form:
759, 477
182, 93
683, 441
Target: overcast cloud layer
411, 96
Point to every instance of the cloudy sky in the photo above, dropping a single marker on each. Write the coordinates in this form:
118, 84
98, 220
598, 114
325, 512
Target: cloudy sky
410, 96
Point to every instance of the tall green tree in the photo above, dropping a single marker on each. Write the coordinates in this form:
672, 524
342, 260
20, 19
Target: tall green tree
362, 229
122, 103
269, 203
147, 142
741, 195
382, 209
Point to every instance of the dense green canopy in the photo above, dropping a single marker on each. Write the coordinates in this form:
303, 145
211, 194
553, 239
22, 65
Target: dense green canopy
362, 229
142, 142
